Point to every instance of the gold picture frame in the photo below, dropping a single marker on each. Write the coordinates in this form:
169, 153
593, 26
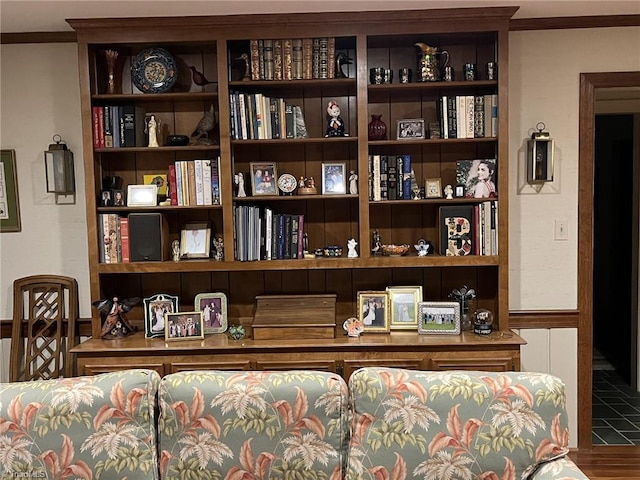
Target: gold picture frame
195, 240
9, 201
373, 310
433, 188
403, 307
264, 176
184, 326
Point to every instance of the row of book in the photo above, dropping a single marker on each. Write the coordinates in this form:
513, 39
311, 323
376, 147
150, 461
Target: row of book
469, 229
258, 117
468, 116
389, 177
292, 58
117, 126
261, 234
114, 238
195, 182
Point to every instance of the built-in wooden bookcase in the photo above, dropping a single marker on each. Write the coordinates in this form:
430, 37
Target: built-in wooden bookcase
213, 46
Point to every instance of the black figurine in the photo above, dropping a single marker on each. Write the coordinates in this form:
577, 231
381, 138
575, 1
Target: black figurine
116, 325
335, 126
342, 59
376, 243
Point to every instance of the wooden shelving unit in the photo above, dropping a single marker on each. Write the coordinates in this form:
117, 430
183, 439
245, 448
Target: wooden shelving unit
371, 39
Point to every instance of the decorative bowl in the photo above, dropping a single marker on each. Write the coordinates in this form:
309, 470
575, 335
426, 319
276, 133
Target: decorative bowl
177, 140
394, 250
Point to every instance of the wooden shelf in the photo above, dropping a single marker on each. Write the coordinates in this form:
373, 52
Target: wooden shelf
154, 97
277, 198
186, 148
440, 141
309, 140
159, 208
432, 85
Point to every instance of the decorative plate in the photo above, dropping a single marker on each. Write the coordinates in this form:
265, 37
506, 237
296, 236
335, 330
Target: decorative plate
154, 70
287, 183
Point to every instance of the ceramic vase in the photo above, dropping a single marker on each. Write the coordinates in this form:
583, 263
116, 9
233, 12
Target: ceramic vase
377, 128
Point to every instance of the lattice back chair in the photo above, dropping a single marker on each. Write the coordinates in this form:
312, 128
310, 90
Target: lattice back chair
45, 310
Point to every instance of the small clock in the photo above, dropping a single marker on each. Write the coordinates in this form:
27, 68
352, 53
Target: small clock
287, 183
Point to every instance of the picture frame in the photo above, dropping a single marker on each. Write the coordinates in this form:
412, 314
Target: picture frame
105, 198
264, 176
184, 326
439, 318
142, 195
373, 310
214, 311
159, 180
478, 177
195, 240
334, 178
118, 198
403, 307
156, 307
9, 200
410, 129
432, 188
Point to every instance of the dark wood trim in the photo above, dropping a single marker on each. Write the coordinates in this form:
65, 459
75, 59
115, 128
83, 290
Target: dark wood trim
529, 319
559, 23
588, 83
38, 37
83, 325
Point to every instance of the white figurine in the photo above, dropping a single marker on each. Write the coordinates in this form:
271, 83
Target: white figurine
448, 191
351, 245
238, 178
175, 250
152, 131
353, 183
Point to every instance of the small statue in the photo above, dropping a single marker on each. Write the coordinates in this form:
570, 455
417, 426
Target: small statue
302, 182
342, 59
200, 135
335, 126
175, 250
415, 188
152, 127
351, 245
247, 66
448, 192
353, 182
238, 179
423, 247
218, 243
353, 326
376, 243
116, 325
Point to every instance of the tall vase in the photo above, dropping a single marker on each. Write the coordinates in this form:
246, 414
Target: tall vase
377, 128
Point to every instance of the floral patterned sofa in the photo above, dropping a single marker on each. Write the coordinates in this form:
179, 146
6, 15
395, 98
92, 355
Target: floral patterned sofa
387, 424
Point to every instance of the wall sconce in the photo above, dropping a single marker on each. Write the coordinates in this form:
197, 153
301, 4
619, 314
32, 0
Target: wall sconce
540, 156
58, 163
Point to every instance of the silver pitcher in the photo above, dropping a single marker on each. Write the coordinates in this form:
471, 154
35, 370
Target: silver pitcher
431, 63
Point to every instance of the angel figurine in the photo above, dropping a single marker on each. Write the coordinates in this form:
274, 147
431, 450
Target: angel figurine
116, 325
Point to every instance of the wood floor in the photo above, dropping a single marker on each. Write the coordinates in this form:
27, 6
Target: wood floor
609, 462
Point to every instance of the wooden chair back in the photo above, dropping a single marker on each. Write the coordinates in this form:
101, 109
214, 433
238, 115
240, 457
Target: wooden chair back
45, 310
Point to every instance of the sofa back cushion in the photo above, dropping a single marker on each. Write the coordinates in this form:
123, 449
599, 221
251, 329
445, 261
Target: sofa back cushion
101, 426
437, 425
267, 425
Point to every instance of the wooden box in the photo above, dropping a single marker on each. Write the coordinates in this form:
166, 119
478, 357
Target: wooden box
281, 317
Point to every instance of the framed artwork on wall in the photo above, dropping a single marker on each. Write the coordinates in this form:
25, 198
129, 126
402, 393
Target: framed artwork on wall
9, 203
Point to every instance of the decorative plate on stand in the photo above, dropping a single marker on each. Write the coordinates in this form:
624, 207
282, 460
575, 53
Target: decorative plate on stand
154, 70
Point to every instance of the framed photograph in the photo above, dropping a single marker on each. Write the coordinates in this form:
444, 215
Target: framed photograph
117, 198
105, 198
184, 326
432, 188
142, 195
195, 240
373, 310
156, 309
478, 177
441, 318
9, 203
214, 311
159, 180
334, 179
403, 307
263, 178
410, 129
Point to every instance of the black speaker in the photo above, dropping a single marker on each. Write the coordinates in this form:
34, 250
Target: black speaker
147, 233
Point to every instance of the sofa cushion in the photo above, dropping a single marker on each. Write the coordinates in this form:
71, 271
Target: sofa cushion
242, 425
101, 426
457, 425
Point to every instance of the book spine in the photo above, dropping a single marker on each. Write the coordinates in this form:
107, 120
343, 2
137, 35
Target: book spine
290, 120
275, 118
331, 60
400, 167
96, 126
300, 236
296, 58
384, 172
261, 59
377, 191
268, 60
307, 58
470, 109
101, 127
124, 239
108, 129
173, 186
197, 167
406, 177
494, 228
461, 116
113, 238
487, 227
179, 186
101, 238
191, 172
268, 233
287, 236
315, 58
277, 60
478, 116
255, 59
444, 117
216, 198
494, 115
128, 116
392, 178
115, 125
452, 117
370, 178
323, 67
287, 59
206, 182
294, 236
281, 237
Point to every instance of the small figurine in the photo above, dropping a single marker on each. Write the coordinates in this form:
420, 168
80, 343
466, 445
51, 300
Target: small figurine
423, 247
218, 243
376, 243
238, 179
335, 126
175, 250
353, 326
302, 182
353, 182
415, 188
342, 59
247, 66
200, 135
448, 192
116, 325
237, 332
351, 245
152, 127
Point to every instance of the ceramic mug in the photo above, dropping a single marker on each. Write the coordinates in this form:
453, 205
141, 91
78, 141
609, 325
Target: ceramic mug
376, 75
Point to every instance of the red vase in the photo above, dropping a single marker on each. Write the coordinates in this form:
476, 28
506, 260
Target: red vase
377, 128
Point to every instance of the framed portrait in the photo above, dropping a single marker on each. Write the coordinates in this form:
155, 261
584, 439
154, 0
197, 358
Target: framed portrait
214, 311
195, 240
432, 188
184, 326
117, 198
334, 180
403, 307
478, 177
142, 195
442, 318
159, 180
410, 129
373, 310
105, 198
263, 178
156, 309
9, 203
